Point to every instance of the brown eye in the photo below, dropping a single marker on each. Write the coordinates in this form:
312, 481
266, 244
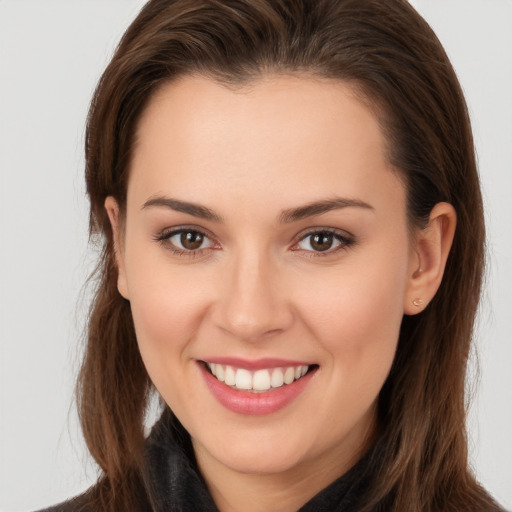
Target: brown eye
321, 241
324, 241
186, 240
191, 240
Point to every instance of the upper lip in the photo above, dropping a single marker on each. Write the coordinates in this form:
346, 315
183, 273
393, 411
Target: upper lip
256, 364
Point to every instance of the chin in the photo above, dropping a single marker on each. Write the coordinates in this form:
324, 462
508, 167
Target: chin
258, 462
252, 455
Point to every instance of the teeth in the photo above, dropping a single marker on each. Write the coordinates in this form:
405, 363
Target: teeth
243, 379
230, 377
219, 372
277, 378
289, 375
260, 380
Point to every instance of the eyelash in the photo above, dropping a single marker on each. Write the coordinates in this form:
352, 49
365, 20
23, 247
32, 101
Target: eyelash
165, 239
345, 241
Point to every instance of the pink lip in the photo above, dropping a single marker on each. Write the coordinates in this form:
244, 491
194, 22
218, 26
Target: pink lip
256, 364
244, 402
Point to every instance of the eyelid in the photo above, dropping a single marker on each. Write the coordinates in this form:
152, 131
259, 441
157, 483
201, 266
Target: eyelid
323, 229
347, 239
165, 235
166, 232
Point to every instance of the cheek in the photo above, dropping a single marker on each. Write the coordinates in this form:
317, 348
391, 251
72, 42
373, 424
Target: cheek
357, 324
163, 310
356, 302
167, 306
166, 313
356, 316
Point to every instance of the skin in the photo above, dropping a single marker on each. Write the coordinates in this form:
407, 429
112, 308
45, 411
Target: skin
256, 288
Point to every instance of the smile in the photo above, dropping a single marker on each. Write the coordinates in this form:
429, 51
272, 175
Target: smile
256, 387
256, 381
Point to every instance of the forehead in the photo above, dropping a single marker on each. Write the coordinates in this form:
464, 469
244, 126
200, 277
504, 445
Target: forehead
198, 137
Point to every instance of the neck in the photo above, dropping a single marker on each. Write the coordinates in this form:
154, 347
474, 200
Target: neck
285, 491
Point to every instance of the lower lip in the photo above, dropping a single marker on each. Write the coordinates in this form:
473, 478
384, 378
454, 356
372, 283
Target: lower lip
244, 402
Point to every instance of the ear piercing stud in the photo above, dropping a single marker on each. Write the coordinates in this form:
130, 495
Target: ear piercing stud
418, 302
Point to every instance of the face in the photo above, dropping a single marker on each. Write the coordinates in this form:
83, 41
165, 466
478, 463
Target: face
266, 256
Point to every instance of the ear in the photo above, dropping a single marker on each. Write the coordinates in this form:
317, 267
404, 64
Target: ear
112, 207
430, 253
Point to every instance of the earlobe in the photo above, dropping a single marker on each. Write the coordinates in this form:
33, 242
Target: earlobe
432, 247
113, 212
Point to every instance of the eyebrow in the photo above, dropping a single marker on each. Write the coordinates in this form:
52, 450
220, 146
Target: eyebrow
193, 209
287, 216
319, 207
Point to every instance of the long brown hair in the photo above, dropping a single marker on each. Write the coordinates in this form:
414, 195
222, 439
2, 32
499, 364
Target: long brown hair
390, 54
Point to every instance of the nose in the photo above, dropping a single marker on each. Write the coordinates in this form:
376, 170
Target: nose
252, 303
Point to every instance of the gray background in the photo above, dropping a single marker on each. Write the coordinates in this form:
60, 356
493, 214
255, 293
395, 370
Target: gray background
51, 55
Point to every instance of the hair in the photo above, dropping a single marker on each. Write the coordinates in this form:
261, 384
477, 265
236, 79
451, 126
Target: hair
392, 57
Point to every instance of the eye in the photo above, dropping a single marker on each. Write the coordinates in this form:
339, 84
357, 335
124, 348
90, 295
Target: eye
185, 240
188, 240
323, 241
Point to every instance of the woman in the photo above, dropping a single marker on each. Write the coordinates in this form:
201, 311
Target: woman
293, 247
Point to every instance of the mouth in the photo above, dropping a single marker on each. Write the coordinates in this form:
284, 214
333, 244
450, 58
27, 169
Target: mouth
260, 380
257, 387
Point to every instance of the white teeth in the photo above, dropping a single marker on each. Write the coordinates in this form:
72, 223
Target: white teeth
220, 372
229, 376
277, 378
289, 375
260, 380
243, 379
